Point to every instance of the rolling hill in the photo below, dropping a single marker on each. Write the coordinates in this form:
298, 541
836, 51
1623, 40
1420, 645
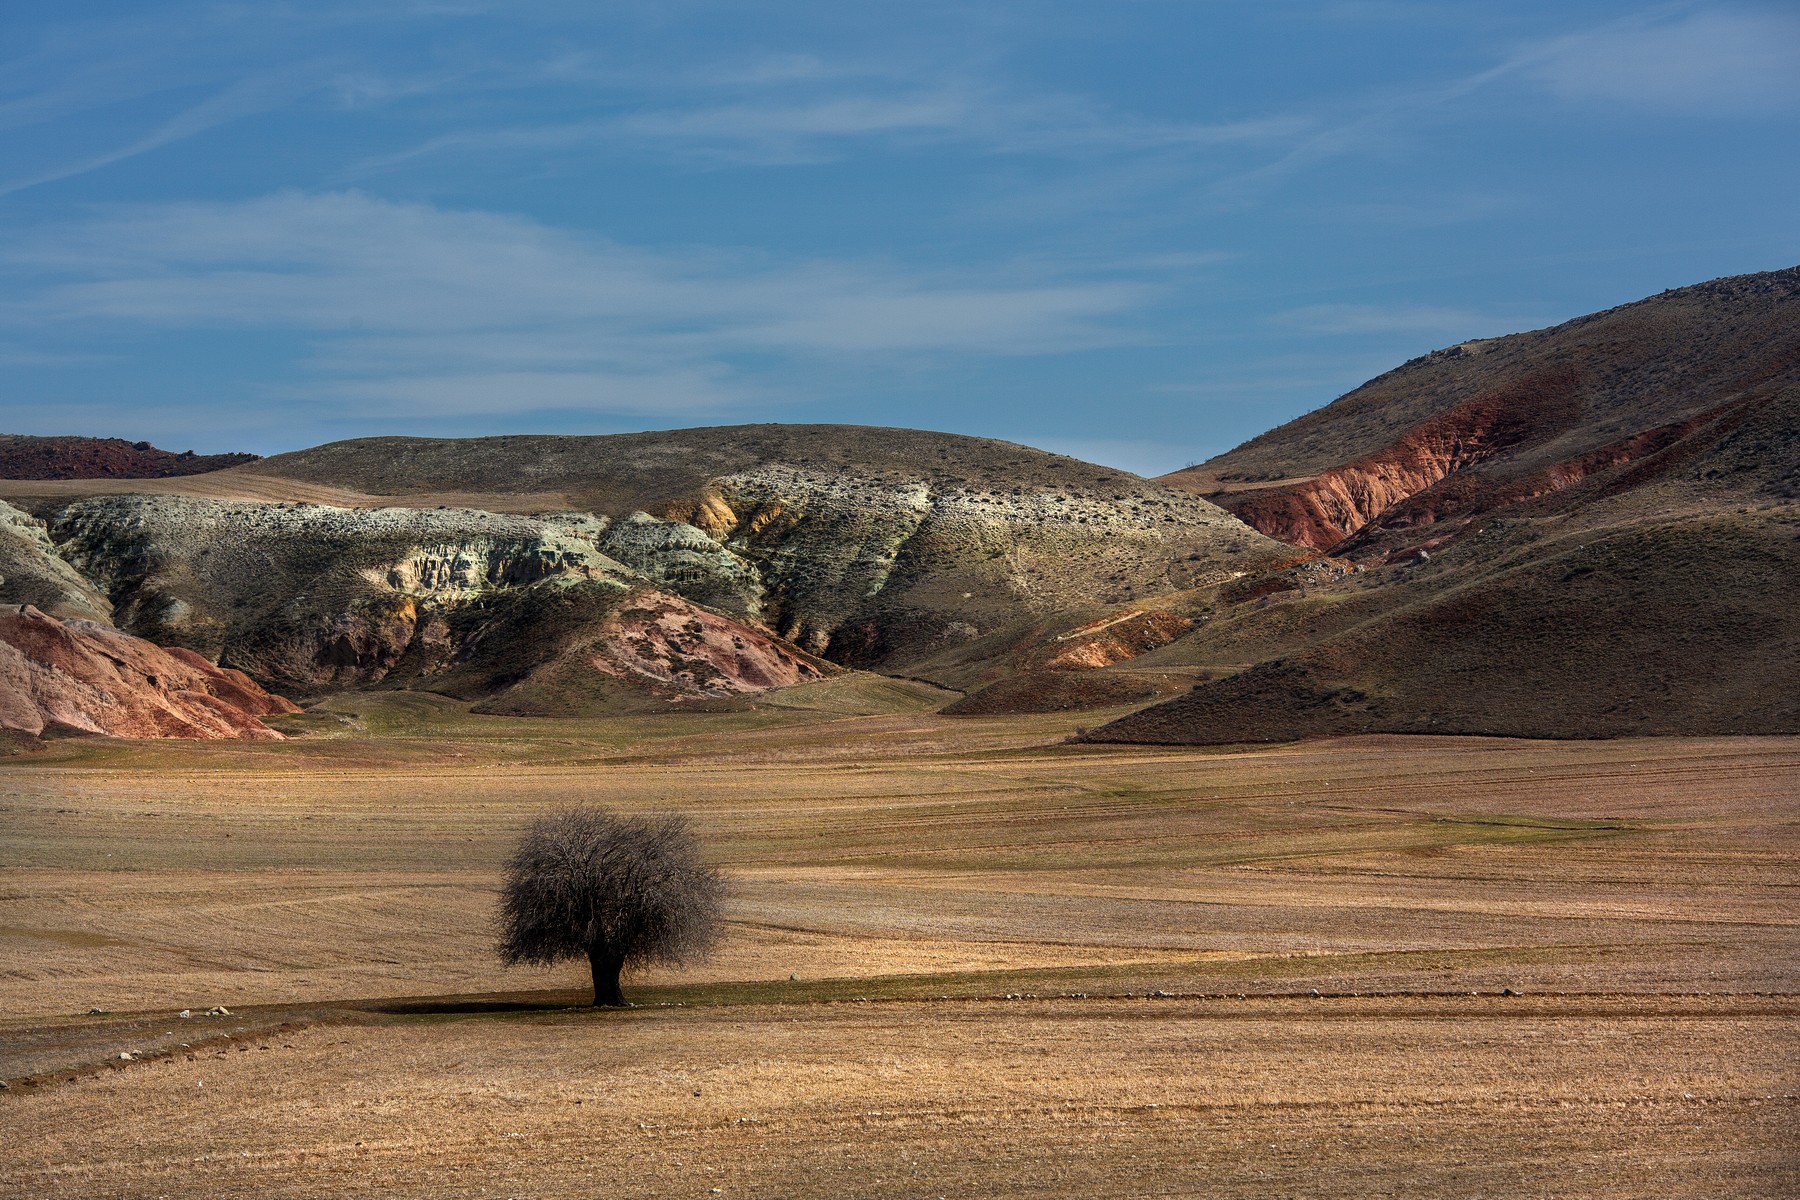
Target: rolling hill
1584, 531
555, 574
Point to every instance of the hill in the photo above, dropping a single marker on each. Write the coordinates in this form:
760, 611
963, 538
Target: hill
1580, 532
516, 571
23, 457
1418, 455
854, 542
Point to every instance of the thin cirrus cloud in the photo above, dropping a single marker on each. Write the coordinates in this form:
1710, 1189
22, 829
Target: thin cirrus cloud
1360, 319
1726, 61
1709, 62
245, 98
414, 306
820, 128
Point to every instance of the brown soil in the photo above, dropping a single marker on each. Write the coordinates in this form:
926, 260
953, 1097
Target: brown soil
1586, 531
1062, 691
1588, 1096
1683, 625
1635, 892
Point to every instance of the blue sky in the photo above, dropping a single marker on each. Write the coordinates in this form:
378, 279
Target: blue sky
1138, 231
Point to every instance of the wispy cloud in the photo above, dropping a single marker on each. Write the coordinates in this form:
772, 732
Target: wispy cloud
242, 99
414, 305
1713, 61
1710, 62
849, 117
1422, 320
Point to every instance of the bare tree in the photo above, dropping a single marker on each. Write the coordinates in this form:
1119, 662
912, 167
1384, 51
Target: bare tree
621, 890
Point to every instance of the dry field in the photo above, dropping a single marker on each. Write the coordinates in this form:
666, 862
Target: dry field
964, 960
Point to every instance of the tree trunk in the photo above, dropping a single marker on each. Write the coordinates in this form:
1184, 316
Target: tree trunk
606, 967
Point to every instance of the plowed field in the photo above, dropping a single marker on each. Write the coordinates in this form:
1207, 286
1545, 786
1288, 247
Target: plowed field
964, 959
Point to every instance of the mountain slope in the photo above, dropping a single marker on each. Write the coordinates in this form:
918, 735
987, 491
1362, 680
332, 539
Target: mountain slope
1612, 548
32, 571
473, 604
1418, 454
873, 547
70, 678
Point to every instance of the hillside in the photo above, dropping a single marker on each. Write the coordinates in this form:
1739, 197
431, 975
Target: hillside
23, 457
543, 574
1607, 401
1587, 531
511, 611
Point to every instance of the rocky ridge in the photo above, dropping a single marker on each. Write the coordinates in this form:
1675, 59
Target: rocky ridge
314, 598
33, 571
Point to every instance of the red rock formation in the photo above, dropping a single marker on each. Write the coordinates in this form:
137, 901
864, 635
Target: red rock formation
65, 678
1456, 501
1118, 639
1323, 511
675, 647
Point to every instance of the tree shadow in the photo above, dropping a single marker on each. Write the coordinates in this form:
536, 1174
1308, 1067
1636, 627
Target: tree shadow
448, 1007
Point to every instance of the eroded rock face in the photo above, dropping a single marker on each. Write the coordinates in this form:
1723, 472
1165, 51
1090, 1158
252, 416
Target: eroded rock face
878, 572
865, 570
33, 572
70, 678
473, 604
306, 596
1116, 640
647, 646
663, 638
684, 558
1327, 509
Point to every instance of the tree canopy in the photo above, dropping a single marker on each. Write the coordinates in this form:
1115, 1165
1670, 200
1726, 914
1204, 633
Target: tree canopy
623, 891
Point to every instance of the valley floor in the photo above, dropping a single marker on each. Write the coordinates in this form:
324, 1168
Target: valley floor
965, 959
